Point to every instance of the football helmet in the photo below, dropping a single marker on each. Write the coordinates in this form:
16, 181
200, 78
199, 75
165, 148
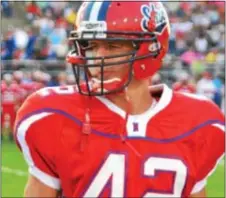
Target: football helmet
145, 24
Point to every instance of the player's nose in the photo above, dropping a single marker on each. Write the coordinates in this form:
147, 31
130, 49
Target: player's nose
94, 71
101, 52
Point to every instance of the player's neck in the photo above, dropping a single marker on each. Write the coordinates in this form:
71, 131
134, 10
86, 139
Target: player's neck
139, 96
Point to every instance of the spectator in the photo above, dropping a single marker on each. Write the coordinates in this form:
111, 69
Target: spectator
21, 38
45, 23
219, 87
61, 22
70, 79
211, 56
42, 5
189, 56
62, 50
32, 38
9, 46
220, 58
213, 14
53, 82
181, 44
62, 78
221, 44
33, 10
58, 7
70, 15
19, 54
206, 87
198, 16
43, 50
201, 42
6, 9
184, 84
57, 37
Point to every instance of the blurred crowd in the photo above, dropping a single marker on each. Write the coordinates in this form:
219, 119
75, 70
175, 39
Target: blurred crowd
210, 86
197, 32
46, 35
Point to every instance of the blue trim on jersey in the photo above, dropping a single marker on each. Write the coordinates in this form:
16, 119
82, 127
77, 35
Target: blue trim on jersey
177, 138
48, 110
103, 11
116, 136
105, 134
88, 11
67, 115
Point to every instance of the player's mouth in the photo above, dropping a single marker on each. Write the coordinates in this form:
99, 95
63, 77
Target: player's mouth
107, 75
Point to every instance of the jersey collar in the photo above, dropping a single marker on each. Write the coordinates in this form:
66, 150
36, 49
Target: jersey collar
165, 99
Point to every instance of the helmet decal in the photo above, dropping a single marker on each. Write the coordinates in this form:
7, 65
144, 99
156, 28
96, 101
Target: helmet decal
153, 15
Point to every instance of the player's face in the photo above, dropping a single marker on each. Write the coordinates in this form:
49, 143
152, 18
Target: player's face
110, 48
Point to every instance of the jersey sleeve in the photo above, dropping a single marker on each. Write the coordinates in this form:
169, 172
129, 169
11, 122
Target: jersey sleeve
210, 148
36, 134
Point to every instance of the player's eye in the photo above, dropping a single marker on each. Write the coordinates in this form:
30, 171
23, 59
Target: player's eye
86, 45
114, 45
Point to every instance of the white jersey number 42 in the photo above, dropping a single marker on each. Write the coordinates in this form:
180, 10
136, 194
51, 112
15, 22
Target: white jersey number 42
114, 168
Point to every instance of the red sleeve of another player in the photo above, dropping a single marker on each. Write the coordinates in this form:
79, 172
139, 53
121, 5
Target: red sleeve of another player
210, 150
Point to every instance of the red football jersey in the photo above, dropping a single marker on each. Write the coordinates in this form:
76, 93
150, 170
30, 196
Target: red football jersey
188, 88
31, 87
11, 99
10, 94
168, 151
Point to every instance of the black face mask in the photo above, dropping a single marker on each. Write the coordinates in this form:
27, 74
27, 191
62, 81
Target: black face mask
81, 68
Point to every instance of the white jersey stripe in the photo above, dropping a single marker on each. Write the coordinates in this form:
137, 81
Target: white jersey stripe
202, 183
220, 126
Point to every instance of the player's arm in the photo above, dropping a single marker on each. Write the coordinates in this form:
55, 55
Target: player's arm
38, 139
210, 148
35, 188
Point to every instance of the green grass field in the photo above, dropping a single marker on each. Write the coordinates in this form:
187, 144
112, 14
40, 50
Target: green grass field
14, 174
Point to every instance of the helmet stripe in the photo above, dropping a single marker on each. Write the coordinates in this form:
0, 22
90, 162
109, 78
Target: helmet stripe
95, 11
103, 11
88, 9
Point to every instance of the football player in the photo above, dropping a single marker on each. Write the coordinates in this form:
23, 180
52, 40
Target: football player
112, 135
11, 100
